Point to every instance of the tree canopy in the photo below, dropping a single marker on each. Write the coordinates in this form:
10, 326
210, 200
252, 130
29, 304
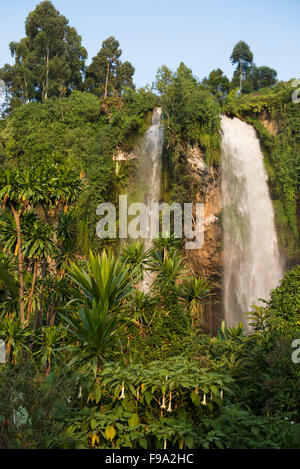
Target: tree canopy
107, 75
49, 61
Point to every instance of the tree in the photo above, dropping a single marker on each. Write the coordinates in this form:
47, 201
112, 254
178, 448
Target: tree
108, 280
24, 189
48, 60
125, 77
38, 245
96, 329
107, 75
11, 195
242, 57
164, 78
264, 77
217, 83
255, 78
18, 78
194, 292
190, 113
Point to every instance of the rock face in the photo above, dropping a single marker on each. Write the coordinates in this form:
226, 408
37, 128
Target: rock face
122, 155
269, 123
207, 261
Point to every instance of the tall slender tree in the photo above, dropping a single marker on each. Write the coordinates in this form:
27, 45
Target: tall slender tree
242, 57
107, 75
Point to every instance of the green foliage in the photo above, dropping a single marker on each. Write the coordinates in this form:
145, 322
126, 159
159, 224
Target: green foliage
242, 57
107, 75
92, 360
49, 61
191, 115
147, 407
225, 332
95, 329
218, 84
107, 280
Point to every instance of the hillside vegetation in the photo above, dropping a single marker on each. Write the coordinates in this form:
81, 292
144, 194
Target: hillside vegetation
91, 360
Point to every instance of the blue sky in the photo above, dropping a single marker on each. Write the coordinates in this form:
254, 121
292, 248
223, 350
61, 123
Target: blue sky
200, 33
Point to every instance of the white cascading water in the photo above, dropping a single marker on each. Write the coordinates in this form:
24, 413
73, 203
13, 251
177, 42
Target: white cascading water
252, 263
152, 148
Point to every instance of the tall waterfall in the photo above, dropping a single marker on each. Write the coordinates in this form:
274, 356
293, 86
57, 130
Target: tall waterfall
152, 154
150, 175
252, 265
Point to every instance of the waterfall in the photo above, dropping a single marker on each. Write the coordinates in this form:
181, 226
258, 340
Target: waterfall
150, 168
252, 264
150, 174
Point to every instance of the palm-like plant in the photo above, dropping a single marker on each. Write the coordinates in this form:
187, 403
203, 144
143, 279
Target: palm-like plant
65, 232
96, 329
169, 268
48, 341
15, 336
9, 301
10, 195
66, 186
136, 258
102, 287
166, 244
38, 245
106, 280
21, 190
140, 303
195, 291
236, 332
8, 233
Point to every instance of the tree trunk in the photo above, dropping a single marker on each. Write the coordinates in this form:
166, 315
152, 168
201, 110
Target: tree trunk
29, 312
20, 262
51, 315
240, 77
26, 88
47, 75
106, 81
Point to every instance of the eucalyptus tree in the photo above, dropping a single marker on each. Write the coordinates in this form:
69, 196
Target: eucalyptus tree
255, 78
18, 77
107, 75
50, 58
242, 57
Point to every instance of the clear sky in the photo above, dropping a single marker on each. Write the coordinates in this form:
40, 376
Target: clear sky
200, 33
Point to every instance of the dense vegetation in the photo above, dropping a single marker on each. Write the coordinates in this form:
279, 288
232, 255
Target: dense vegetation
93, 361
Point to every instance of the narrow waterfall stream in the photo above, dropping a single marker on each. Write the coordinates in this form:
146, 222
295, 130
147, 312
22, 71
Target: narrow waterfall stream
252, 264
152, 148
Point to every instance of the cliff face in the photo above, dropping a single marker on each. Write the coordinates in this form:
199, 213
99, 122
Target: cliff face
269, 123
207, 261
